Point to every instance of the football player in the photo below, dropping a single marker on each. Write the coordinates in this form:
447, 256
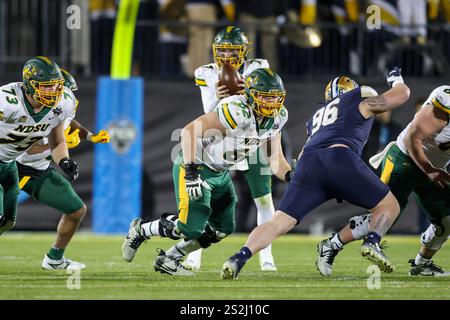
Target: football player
231, 46
416, 163
39, 180
30, 110
211, 145
330, 167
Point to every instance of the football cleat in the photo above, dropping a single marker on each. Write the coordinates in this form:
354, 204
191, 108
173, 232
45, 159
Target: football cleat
231, 268
427, 269
373, 252
170, 265
268, 266
191, 265
133, 240
266, 260
193, 261
327, 253
61, 264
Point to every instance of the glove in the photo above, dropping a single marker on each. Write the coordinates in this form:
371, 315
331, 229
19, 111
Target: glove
395, 77
290, 174
194, 182
69, 167
72, 139
101, 137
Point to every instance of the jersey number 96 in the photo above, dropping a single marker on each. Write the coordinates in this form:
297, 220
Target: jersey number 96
325, 116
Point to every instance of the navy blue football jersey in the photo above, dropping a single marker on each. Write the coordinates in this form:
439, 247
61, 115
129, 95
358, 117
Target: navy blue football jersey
339, 121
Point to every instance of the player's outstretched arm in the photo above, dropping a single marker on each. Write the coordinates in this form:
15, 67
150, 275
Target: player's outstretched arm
278, 164
427, 121
101, 137
391, 99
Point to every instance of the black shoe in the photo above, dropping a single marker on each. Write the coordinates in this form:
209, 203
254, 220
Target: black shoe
426, 269
170, 265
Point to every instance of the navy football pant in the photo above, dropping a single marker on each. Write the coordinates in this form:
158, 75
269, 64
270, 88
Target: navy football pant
329, 173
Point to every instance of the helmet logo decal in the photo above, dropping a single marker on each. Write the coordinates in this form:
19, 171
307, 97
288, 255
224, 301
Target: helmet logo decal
29, 71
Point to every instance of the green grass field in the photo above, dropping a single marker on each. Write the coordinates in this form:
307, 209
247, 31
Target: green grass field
109, 277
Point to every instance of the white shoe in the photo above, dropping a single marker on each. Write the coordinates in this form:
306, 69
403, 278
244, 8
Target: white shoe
193, 261
268, 266
191, 265
327, 253
61, 264
266, 260
133, 240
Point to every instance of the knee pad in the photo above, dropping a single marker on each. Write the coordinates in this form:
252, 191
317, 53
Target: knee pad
210, 236
6, 225
359, 226
436, 234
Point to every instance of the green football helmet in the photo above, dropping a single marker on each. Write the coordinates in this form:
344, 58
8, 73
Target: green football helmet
43, 81
230, 38
265, 92
69, 80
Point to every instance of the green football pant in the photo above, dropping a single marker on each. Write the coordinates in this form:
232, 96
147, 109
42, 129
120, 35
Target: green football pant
9, 190
216, 207
404, 177
52, 189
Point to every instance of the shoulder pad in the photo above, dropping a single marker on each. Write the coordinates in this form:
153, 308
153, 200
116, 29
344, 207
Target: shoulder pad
10, 99
68, 102
441, 99
283, 113
254, 64
204, 73
233, 113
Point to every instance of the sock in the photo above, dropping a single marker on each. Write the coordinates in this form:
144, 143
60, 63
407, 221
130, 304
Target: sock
421, 259
244, 254
373, 237
182, 248
151, 229
336, 241
265, 208
55, 253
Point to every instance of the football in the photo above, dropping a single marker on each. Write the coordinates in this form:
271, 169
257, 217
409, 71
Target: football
231, 78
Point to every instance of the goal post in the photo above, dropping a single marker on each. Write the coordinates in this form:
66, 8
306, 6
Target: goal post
118, 165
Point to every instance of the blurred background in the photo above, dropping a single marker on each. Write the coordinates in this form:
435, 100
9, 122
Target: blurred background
307, 42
